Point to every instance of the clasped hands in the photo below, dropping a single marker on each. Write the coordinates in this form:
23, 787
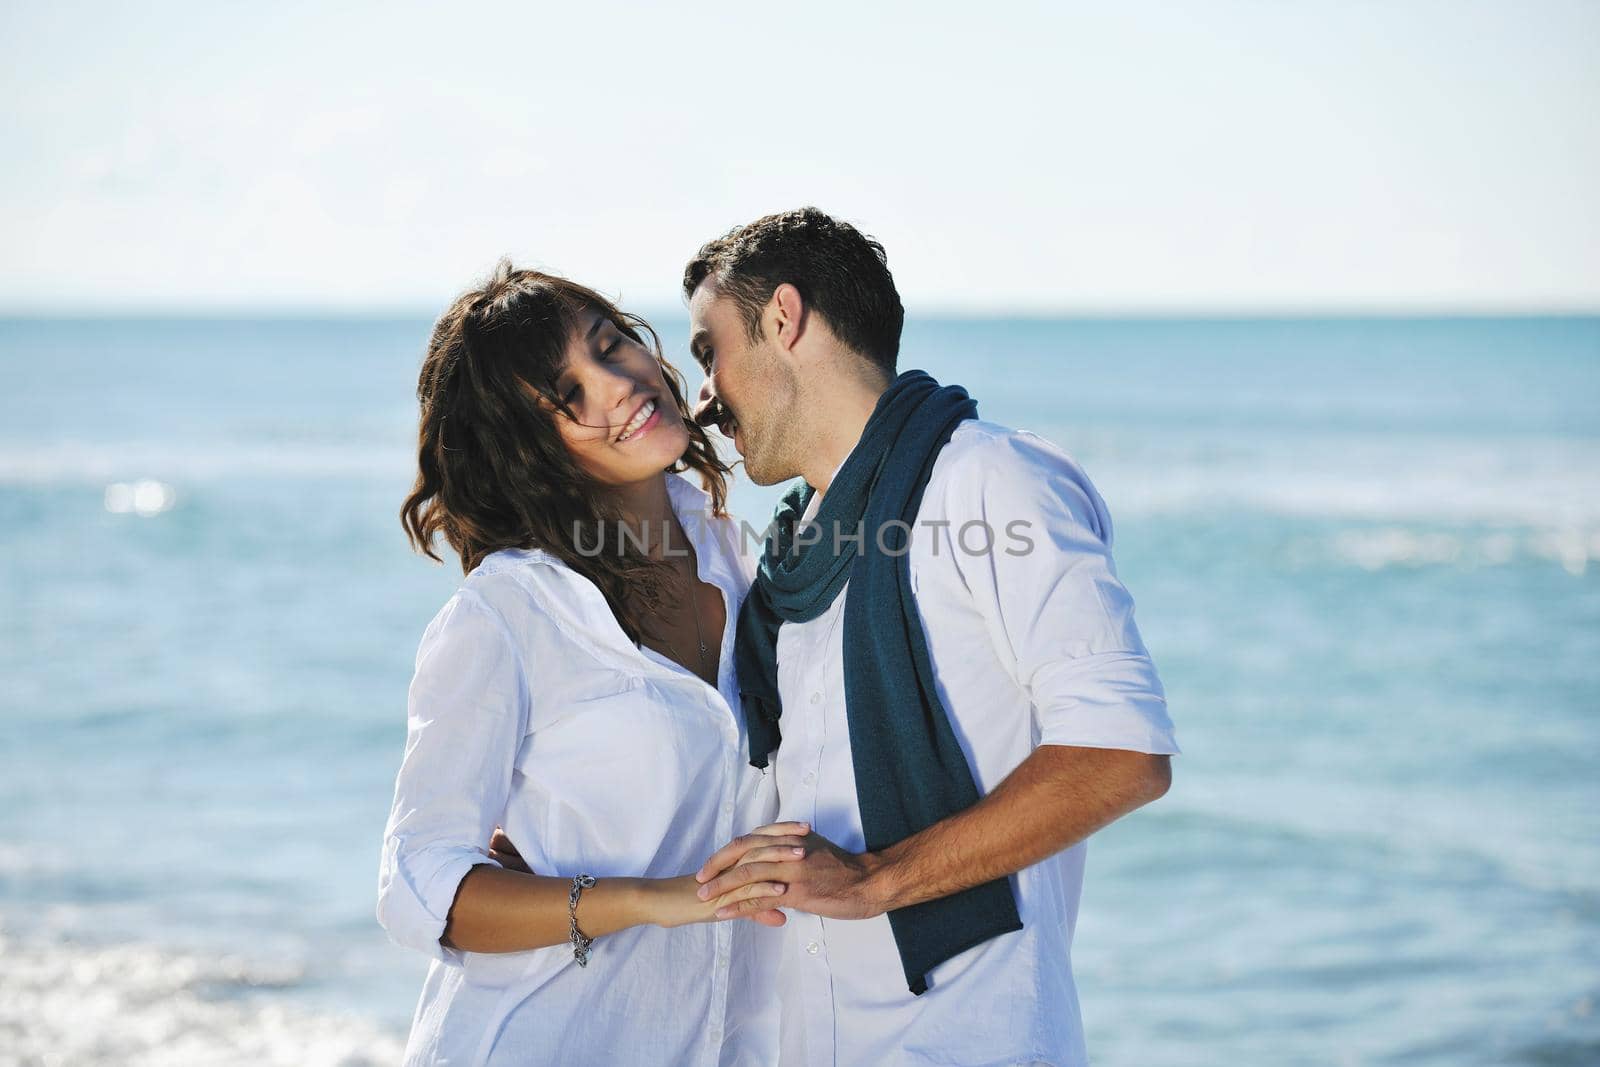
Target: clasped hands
816, 875
780, 865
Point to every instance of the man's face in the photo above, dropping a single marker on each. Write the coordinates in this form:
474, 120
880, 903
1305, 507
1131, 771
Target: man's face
749, 387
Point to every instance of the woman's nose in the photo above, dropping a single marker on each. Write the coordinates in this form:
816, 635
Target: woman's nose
619, 385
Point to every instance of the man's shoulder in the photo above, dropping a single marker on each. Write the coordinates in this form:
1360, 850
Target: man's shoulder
975, 433
981, 451
987, 465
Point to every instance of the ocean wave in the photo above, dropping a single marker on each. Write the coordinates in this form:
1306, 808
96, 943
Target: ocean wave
1393, 829
134, 1005
1410, 489
1550, 484
102, 464
1574, 549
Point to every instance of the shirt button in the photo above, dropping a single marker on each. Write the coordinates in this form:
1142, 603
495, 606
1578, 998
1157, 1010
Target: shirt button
812, 948
727, 808
816, 698
811, 779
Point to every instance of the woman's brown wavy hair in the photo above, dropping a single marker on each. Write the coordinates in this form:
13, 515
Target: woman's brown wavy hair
493, 471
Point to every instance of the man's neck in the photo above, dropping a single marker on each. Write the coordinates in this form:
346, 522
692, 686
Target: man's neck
849, 405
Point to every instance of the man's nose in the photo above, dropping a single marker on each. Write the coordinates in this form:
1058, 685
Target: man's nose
707, 408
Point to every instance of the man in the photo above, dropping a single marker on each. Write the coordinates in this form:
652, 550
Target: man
937, 661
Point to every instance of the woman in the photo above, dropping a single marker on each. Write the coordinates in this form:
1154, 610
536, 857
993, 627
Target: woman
577, 691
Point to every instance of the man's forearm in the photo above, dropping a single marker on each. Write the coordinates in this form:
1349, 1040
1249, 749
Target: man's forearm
1055, 798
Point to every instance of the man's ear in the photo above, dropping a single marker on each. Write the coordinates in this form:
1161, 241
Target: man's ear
786, 316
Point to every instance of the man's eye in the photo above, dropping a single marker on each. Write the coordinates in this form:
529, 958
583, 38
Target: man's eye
571, 395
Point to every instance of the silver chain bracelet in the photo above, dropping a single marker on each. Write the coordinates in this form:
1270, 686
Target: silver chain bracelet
580, 944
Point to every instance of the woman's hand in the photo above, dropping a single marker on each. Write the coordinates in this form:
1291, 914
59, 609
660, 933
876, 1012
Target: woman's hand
677, 902
672, 902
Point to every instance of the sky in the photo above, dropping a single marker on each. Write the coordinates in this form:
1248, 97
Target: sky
1209, 157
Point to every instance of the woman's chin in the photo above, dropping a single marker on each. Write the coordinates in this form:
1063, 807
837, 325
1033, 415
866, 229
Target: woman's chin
663, 447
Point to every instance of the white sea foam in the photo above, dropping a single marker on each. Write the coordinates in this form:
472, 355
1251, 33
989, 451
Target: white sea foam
134, 1005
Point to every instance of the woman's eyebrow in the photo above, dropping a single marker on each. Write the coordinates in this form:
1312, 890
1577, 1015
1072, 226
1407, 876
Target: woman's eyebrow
559, 372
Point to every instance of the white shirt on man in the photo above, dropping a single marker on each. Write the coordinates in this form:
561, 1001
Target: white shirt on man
1031, 644
531, 710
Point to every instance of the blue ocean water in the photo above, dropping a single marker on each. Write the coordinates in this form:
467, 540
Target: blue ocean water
1367, 560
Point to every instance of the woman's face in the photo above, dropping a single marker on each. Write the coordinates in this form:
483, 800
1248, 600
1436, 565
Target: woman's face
628, 426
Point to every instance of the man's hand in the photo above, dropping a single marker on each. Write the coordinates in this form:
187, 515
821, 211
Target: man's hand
1055, 798
502, 851
823, 878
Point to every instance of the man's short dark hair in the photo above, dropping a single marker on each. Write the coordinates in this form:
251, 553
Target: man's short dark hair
841, 273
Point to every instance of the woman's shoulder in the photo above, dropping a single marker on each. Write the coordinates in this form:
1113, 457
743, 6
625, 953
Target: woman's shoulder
554, 620
526, 590
525, 576
508, 560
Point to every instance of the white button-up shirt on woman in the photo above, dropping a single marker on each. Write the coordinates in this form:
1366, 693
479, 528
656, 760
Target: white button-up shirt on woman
531, 710
1032, 641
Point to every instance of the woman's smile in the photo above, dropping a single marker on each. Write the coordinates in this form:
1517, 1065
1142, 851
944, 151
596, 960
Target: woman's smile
643, 421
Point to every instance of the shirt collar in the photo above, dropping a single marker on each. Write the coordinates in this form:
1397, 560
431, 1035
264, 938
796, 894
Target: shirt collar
685, 494
692, 505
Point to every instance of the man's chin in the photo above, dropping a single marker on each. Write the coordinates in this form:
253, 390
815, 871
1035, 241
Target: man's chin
761, 474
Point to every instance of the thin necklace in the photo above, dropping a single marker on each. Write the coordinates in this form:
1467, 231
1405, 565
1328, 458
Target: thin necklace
694, 601
699, 635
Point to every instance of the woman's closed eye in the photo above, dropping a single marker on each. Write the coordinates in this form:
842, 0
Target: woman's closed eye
605, 352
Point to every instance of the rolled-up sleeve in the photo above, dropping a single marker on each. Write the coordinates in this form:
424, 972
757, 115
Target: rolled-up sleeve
1050, 596
467, 712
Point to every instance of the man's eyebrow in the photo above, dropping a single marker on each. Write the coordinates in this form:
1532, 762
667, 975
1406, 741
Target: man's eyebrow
594, 327
697, 342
